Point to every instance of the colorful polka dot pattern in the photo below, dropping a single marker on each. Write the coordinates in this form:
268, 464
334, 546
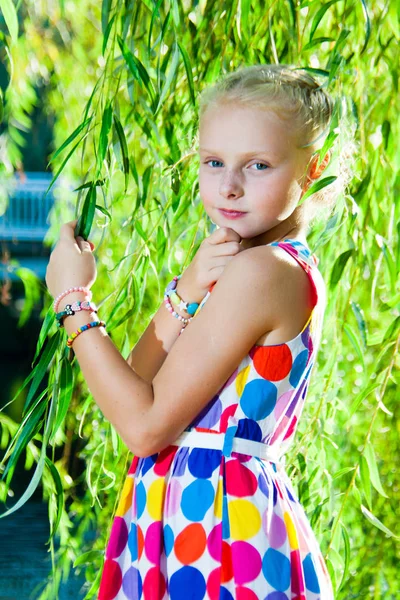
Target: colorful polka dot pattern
192, 523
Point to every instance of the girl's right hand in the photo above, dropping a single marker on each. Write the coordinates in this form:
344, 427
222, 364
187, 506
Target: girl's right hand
214, 253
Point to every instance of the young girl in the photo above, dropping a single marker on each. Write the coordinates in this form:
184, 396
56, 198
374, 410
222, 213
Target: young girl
207, 509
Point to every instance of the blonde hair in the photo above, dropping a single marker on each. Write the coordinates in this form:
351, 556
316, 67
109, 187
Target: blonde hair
294, 94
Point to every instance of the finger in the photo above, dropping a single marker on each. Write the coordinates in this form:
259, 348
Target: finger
223, 234
67, 230
226, 249
83, 244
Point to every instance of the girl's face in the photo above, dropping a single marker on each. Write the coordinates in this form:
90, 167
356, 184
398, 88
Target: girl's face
249, 163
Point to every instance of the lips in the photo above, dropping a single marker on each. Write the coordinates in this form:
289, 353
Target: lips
229, 210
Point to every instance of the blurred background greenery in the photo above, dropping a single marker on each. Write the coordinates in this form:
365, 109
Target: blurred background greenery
107, 92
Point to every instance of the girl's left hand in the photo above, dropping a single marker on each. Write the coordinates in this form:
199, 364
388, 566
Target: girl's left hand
71, 263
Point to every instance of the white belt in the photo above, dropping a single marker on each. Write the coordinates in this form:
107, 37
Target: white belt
220, 441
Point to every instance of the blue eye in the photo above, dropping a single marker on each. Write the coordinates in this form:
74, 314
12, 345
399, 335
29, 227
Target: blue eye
213, 161
262, 165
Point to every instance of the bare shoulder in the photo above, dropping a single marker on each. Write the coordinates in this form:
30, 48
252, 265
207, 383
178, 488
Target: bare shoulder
242, 306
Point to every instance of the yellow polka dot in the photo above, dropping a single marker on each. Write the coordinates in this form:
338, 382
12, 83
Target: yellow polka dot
241, 380
218, 501
244, 519
125, 501
291, 531
155, 499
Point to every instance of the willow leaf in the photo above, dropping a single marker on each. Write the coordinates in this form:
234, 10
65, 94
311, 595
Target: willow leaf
87, 557
189, 74
360, 318
44, 331
351, 334
338, 267
367, 26
105, 130
71, 138
373, 469
362, 395
377, 523
347, 553
59, 491
318, 17
10, 16
42, 366
85, 221
365, 480
107, 34
123, 148
316, 41
316, 187
65, 394
105, 14
170, 76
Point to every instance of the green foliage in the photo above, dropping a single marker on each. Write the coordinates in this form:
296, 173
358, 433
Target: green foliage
126, 123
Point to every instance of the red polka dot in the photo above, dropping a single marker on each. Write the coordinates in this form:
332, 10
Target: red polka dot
240, 481
214, 584
245, 594
190, 543
227, 565
297, 579
111, 580
291, 428
272, 362
140, 538
164, 460
132, 468
228, 412
154, 585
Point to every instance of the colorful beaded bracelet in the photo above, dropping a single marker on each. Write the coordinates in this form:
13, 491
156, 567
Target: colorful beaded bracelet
173, 312
71, 309
70, 291
74, 335
189, 307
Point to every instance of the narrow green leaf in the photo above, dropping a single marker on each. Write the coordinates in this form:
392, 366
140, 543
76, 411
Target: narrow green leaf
377, 523
107, 34
105, 14
392, 329
317, 41
189, 74
56, 176
362, 395
347, 553
71, 138
365, 480
171, 74
44, 331
65, 394
138, 70
343, 471
373, 469
85, 221
316, 187
123, 149
318, 17
338, 267
59, 491
104, 211
351, 334
360, 318
11, 18
87, 557
155, 14
42, 366
367, 26
105, 129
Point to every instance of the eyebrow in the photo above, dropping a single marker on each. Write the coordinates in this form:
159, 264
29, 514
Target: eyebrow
244, 154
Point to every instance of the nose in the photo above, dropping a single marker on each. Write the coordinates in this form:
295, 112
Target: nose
230, 185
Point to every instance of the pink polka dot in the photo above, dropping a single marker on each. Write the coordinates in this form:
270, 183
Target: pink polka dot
164, 460
282, 404
153, 542
291, 428
243, 593
228, 412
118, 538
213, 584
154, 585
240, 481
296, 568
214, 542
111, 580
173, 497
246, 562
276, 530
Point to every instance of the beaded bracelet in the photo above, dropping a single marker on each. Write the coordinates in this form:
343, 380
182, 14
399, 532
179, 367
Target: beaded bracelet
74, 335
70, 291
169, 306
71, 309
170, 290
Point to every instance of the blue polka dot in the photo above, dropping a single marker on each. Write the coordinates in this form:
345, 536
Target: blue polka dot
224, 594
168, 539
180, 461
203, 462
276, 596
187, 578
132, 542
140, 499
132, 583
258, 399
210, 414
276, 569
148, 463
298, 367
310, 575
197, 499
249, 430
263, 484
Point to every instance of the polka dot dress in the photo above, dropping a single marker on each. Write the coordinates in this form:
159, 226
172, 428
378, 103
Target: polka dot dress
193, 524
